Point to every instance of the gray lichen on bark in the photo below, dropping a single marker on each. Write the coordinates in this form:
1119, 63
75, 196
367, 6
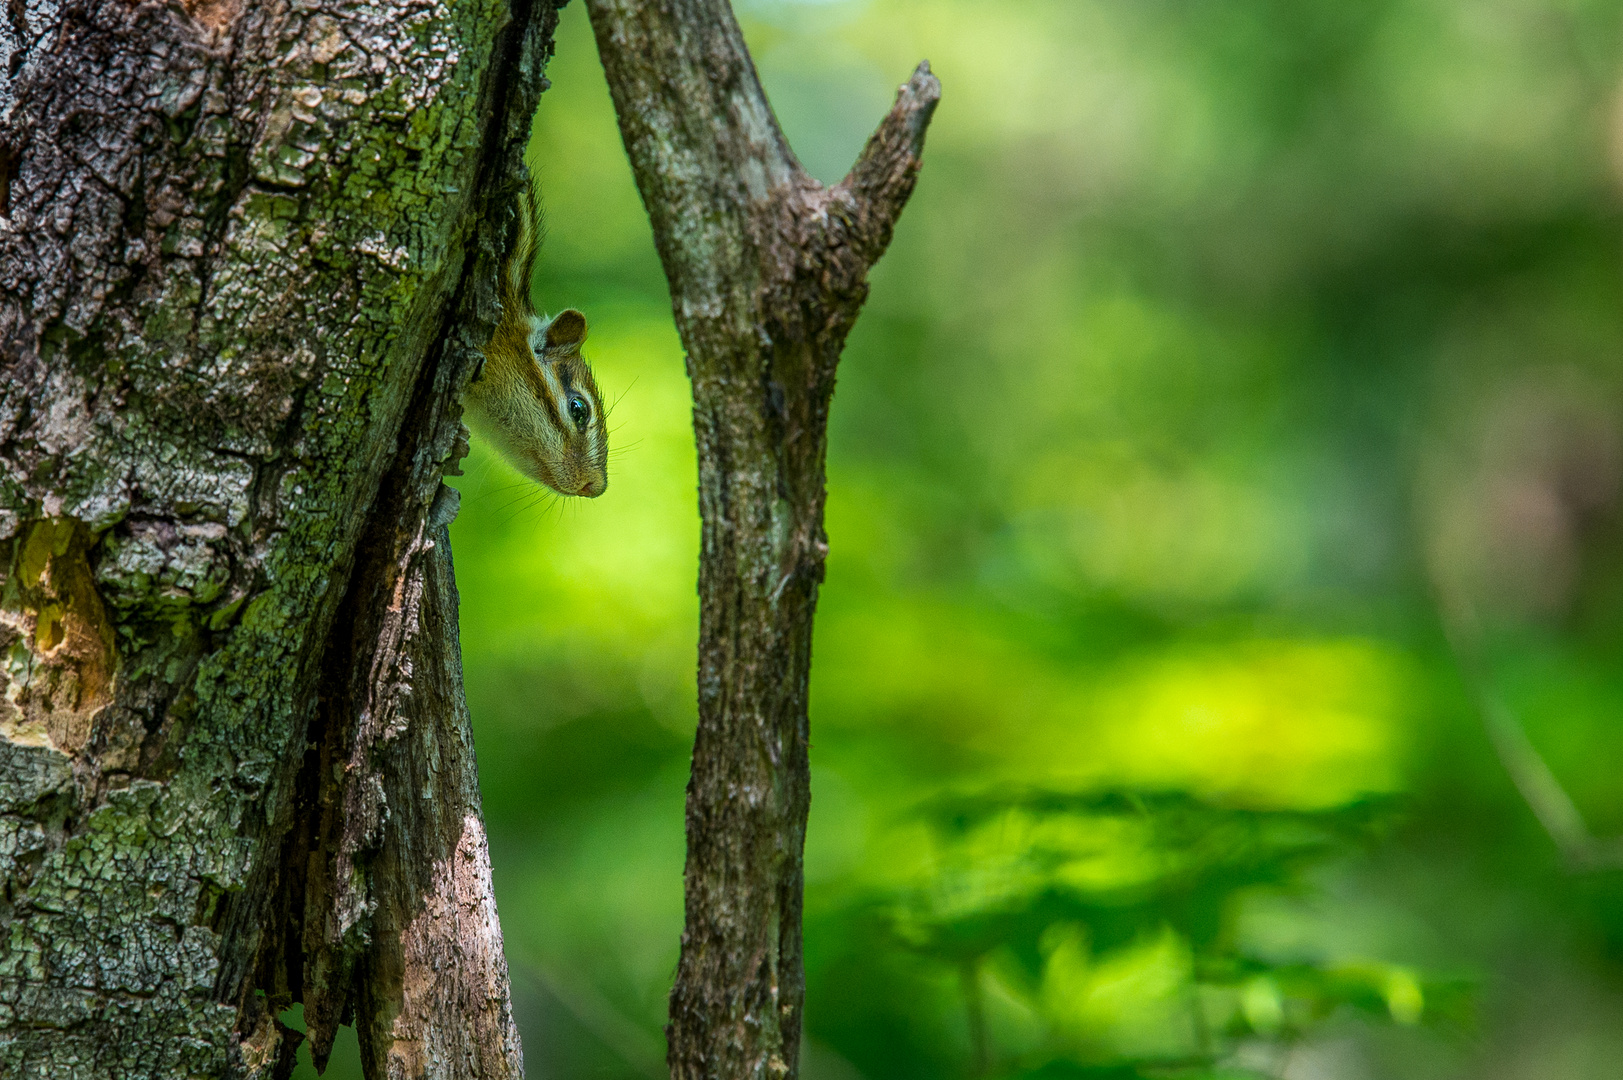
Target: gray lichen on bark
247, 257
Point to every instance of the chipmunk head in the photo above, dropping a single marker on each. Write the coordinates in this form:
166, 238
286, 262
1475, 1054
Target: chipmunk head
572, 451
539, 404
536, 399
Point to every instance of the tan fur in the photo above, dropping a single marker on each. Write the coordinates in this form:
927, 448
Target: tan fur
533, 370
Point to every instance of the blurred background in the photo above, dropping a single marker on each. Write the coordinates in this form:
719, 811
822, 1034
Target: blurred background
1217, 673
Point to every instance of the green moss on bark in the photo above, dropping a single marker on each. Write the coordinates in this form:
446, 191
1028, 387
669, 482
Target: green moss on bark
234, 243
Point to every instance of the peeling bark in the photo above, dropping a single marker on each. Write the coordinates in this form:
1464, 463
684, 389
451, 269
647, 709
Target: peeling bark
247, 257
767, 270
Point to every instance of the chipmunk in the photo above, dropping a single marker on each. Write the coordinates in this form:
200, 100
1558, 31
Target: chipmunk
536, 400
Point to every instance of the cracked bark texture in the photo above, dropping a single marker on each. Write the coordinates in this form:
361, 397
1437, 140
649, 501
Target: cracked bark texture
767, 270
247, 258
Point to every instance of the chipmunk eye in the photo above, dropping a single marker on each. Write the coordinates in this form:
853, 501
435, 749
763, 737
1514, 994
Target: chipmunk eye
579, 412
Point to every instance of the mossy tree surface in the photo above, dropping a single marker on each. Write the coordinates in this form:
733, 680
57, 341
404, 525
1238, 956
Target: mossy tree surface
247, 257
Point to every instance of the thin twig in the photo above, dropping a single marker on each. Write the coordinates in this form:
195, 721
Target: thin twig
1537, 784
624, 1037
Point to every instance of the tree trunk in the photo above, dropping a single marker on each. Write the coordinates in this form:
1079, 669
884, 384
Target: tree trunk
767, 270
247, 259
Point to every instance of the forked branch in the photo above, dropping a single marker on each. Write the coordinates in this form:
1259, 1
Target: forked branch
883, 177
768, 270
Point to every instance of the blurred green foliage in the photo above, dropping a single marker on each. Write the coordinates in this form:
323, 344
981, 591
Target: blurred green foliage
1230, 358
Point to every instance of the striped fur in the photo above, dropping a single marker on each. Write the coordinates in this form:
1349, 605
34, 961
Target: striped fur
536, 400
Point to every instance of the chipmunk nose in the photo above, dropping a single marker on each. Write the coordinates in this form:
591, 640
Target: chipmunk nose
590, 489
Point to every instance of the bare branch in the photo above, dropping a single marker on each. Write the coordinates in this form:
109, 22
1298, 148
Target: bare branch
767, 270
883, 177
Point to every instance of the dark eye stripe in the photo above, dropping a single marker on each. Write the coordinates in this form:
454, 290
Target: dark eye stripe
544, 396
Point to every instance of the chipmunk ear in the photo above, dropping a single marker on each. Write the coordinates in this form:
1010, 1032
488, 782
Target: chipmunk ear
566, 330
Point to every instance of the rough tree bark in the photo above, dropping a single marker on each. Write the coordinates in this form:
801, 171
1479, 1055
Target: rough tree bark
767, 270
247, 257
